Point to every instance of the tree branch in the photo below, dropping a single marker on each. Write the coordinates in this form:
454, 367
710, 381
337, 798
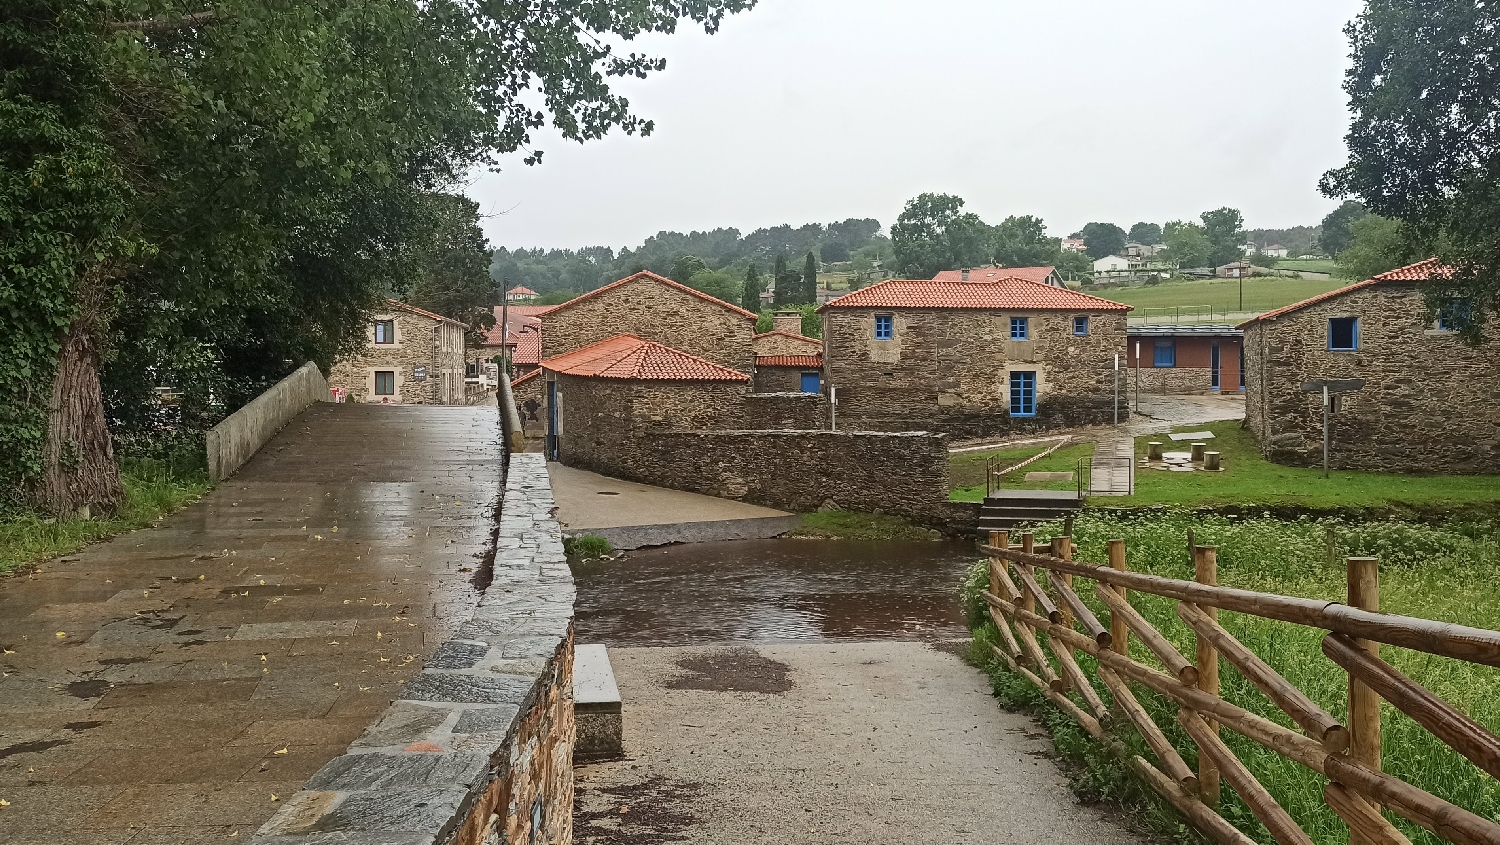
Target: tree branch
189, 21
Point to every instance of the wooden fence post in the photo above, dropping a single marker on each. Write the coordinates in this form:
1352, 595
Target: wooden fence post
996, 541
1206, 571
1028, 601
1364, 703
1118, 632
1062, 547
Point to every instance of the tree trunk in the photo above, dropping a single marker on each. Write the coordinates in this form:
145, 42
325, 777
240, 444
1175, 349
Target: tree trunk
79, 474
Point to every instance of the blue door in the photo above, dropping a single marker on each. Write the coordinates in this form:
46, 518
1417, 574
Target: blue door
552, 420
811, 383
1023, 393
1213, 366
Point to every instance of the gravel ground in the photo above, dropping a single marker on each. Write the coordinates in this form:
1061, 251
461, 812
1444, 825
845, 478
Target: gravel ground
871, 742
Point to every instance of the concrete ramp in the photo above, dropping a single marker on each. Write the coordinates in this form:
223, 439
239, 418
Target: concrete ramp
631, 515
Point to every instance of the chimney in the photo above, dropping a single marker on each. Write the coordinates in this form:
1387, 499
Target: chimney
965, 275
787, 321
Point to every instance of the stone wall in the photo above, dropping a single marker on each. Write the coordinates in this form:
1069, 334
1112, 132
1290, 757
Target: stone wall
903, 473
798, 411
780, 379
1160, 381
241, 434
652, 309
1193, 372
949, 370
1431, 403
596, 415
425, 347
479, 748
784, 343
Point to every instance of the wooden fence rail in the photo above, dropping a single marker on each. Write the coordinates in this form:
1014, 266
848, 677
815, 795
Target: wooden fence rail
1347, 754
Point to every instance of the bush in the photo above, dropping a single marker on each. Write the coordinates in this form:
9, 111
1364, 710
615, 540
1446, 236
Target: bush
587, 547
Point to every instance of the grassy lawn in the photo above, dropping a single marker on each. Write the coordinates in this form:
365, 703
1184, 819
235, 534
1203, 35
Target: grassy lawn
1249, 478
1444, 573
149, 493
1223, 295
966, 470
1311, 265
854, 525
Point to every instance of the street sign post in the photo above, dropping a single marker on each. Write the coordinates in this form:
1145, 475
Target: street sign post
1330, 388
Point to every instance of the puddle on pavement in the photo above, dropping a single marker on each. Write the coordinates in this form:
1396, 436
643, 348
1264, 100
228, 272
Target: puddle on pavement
768, 590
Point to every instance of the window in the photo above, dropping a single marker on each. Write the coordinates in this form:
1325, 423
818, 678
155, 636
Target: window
1023, 394
385, 383
1020, 328
1343, 334
885, 327
1453, 315
385, 331
1081, 325
812, 383
1165, 352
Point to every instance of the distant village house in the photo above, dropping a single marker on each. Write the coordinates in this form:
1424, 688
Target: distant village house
410, 356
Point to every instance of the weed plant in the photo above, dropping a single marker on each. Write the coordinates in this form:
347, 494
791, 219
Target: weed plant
1446, 574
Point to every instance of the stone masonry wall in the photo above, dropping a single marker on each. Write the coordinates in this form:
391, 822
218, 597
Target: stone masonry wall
949, 370
781, 343
903, 473
797, 411
655, 311
598, 414
780, 379
478, 751
1430, 404
442, 355
1158, 381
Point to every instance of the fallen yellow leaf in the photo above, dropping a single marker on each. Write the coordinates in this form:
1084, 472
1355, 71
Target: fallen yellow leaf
61, 634
282, 751
274, 798
4, 803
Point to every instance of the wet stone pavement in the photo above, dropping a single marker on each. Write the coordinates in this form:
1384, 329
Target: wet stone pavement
175, 684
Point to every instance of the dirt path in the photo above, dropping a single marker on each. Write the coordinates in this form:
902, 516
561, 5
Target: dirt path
848, 743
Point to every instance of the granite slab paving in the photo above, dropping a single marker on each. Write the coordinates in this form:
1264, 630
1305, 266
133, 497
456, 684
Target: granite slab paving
177, 684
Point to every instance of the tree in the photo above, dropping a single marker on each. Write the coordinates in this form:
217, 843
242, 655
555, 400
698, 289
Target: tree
1103, 239
717, 284
1145, 233
933, 233
753, 288
788, 283
686, 267
1023, 242
1422, 145
1225, 229
1375, 246
1187, 243
452, 264
1336, 232
233, 189
809, 280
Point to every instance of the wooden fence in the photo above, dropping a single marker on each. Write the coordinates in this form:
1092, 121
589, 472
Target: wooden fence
1041, 599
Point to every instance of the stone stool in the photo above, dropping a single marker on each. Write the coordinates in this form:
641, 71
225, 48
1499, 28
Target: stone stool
1211, 462
1198, 452
1153, 450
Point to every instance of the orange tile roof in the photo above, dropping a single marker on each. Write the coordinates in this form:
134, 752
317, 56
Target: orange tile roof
522, 290
800, 337
1418, 272
626, 356
517, 382
998, 295
803, 361
991, 274
523, 336
647, 274
415, 310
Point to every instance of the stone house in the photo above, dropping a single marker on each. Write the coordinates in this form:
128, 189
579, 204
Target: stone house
786, 361
971, 359
658, 309
1185, 359
410, 356
525, 338
994, 273
1430, 402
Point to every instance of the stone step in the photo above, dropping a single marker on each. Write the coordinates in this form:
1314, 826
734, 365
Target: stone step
596, 707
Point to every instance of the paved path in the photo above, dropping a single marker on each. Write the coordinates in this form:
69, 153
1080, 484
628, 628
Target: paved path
631, 515
1114, 476
847, 743
170, 686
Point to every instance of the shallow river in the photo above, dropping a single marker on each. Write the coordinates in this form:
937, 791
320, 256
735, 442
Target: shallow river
767, 590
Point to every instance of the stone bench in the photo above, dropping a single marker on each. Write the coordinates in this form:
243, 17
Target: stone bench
596, 707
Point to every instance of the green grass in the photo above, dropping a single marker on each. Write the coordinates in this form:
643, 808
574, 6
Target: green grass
1222, 295
150, 492
587, 547
1442, 573
1311, 265
966, 469
854, 525
1249, 479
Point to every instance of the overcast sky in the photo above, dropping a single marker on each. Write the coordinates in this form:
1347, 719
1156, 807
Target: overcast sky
1073, 110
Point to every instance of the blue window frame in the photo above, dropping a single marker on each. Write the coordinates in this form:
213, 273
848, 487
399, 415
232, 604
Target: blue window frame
812, 383
1343, 334
1081, 325
1023, 393
885, 327
1020, 328
1164, 352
